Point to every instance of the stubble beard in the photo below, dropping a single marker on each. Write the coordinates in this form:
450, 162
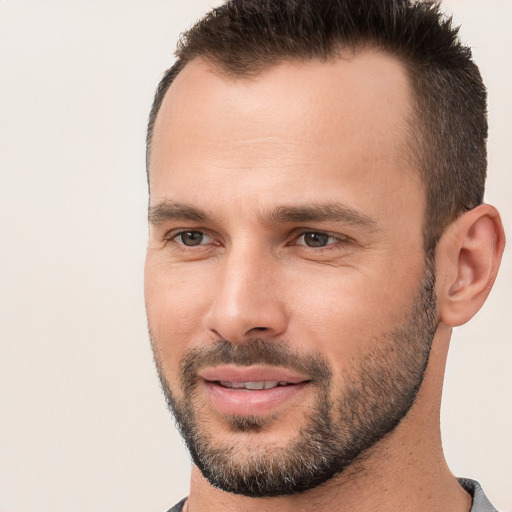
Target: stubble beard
378, 391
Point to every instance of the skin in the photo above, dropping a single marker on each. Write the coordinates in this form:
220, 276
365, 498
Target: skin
299, 135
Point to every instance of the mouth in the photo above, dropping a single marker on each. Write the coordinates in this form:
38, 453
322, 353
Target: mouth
252, 391
253, 386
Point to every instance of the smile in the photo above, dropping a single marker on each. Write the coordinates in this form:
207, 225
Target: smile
253, 390
253, 386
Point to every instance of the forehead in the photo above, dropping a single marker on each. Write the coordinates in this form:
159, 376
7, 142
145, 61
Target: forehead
345, 120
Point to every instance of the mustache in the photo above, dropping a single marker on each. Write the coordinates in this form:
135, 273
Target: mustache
255, 351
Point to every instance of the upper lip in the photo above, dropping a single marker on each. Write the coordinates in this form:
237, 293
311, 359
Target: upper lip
228, 373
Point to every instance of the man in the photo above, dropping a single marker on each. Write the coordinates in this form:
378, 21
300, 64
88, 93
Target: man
316, 172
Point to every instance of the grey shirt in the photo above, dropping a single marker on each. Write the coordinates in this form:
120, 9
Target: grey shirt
480, 501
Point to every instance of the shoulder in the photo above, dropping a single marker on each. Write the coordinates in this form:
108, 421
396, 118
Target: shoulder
178, 507
480, 501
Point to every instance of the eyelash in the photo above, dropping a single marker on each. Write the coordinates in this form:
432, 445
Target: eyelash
173, 235
337, 239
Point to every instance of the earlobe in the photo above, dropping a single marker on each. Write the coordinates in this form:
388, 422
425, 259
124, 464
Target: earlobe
467, 261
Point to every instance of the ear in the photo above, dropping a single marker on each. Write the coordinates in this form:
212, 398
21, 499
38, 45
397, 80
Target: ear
468, 256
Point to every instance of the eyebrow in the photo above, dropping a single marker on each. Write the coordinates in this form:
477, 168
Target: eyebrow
166, 211
334, 212
325, 212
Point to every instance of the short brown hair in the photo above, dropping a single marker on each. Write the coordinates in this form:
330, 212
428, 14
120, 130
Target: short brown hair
449, 131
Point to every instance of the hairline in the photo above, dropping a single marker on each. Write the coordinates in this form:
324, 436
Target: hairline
217, 67
413, 147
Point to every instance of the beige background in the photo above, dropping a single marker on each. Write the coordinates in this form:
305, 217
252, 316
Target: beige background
82, 424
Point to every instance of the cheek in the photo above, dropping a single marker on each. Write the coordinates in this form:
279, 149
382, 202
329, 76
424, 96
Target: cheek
173, 293
344, 314
175, 303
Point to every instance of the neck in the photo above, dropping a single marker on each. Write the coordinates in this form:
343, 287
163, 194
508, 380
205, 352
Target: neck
405, 471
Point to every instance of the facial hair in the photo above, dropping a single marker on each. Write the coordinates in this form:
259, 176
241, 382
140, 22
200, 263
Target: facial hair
379, 389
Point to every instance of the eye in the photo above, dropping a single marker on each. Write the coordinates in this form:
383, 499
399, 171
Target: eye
316, 239
191, 238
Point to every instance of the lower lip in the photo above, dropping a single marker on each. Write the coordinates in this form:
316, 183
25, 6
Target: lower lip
244, 402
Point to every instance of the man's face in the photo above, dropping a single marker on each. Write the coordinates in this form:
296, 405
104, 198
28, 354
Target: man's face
290, 307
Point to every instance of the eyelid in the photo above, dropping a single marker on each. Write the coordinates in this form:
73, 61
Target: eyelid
338, 237
173, 234
331, 237
338, 243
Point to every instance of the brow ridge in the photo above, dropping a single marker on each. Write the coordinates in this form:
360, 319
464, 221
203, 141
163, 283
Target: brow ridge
316, 212
170, 210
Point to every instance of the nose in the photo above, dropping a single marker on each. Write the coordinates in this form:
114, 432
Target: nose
247, 301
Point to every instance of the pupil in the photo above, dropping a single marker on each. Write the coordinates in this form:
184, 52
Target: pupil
192, 238
316, 239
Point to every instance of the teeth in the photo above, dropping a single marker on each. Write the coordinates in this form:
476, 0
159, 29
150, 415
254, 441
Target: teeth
254, 385
267, 384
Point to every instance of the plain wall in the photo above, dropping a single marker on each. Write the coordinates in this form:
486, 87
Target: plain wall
83, 425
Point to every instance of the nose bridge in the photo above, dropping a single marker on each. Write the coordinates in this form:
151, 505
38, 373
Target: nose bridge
246, 302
